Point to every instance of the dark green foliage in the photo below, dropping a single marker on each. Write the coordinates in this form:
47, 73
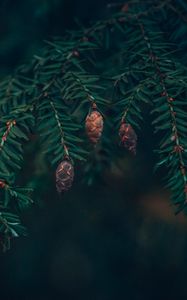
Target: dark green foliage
126, 64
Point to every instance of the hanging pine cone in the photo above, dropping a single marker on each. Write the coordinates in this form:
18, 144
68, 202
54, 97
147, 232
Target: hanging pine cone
64, 176
94, 125
128, 137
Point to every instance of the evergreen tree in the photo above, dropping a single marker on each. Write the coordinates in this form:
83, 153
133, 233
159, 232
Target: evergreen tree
102, 81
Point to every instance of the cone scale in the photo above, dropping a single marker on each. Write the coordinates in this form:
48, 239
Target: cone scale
128, 137
64, 176
94, 125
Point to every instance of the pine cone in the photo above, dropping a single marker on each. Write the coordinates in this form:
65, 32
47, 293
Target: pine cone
128, 137
94, 126
64, 176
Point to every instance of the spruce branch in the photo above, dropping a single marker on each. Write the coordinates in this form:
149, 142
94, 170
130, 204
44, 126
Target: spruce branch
178, 147
125, 54
132, 101
10, 227
66, 153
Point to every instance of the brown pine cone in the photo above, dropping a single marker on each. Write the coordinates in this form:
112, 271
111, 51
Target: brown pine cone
128, 137
94, 126
64, 176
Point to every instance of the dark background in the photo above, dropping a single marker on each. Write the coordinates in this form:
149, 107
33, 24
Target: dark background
118, 239
25, 24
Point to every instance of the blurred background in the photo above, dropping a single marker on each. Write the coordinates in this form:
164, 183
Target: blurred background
118, 239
